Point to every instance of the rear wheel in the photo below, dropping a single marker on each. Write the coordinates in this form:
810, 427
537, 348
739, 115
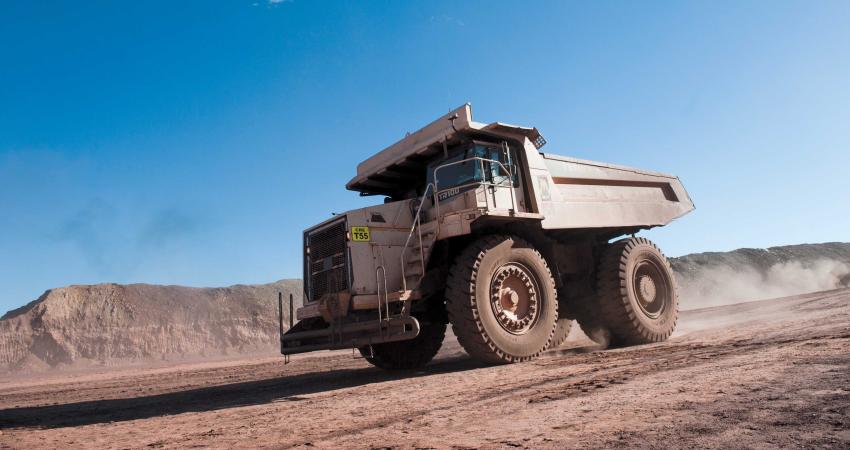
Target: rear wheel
562, 330
637, 300
411, 354
501, 300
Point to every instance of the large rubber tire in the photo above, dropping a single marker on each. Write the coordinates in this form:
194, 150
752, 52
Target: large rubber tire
474, 317
562, 330
637, 298
411, 354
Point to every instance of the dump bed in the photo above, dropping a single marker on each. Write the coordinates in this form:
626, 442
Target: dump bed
567, 192
590, 194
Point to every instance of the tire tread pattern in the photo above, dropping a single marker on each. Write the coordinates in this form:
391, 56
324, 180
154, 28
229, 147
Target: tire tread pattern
462, 306
562, 331
614, 307
407, 355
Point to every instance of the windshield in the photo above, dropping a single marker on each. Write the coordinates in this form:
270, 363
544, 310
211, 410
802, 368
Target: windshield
456, 174
469, 172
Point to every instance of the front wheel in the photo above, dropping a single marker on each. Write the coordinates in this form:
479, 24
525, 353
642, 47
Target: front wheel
501, 300
406, 355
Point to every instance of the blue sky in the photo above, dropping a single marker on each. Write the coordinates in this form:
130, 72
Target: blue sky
191, 142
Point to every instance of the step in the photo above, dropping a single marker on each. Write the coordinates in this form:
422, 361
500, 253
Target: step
364, 302
403, 295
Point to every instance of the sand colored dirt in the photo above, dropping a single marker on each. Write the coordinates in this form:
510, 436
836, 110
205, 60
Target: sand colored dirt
115, 325
774, 373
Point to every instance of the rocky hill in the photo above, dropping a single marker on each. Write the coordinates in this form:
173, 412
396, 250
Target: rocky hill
715, 278
111, 324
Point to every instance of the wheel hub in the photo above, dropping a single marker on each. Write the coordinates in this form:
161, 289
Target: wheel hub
646, 290
514, 298
651, 288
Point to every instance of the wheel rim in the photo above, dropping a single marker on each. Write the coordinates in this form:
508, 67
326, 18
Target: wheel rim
651, 286
514, 296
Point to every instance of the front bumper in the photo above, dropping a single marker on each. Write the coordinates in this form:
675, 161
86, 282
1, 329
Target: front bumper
341, 335
338, 303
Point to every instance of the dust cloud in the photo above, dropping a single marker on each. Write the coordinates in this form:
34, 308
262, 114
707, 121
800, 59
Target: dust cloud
723, 285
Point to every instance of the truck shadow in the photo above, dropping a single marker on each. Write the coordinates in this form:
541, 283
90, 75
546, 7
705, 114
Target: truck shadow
214, 397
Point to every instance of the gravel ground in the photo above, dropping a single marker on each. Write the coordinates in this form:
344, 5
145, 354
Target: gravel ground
765, 374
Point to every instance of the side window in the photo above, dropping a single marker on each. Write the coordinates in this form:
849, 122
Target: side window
498, 174
513, 165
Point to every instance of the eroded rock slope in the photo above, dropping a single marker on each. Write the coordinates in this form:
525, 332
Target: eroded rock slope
110, 324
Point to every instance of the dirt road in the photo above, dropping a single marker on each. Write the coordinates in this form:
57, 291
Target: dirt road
770, 374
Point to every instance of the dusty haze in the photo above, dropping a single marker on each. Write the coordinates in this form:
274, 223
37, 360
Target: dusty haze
712, 279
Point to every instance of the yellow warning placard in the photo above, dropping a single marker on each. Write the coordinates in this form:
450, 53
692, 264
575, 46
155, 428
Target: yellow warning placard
360, 234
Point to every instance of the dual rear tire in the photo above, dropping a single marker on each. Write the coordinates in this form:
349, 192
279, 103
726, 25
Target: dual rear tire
636, 299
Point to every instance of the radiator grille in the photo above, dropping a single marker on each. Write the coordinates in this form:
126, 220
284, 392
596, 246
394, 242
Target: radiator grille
326, 261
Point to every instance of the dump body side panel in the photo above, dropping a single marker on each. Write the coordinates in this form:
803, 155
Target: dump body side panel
589, 194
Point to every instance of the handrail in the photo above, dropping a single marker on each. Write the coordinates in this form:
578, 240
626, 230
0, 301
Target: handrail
379, 270
484, 183
474, 183
417, 220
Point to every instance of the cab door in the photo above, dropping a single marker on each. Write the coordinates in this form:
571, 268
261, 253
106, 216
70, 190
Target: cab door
503, 185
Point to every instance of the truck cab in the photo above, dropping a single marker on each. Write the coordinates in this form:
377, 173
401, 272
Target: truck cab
491, 169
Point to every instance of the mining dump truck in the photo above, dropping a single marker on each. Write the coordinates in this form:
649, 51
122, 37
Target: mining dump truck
482, 230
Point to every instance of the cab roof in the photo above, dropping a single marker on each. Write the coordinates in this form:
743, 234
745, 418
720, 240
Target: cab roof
401, 166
